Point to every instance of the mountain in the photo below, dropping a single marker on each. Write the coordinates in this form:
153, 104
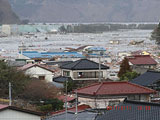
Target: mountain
88, 10
7, 16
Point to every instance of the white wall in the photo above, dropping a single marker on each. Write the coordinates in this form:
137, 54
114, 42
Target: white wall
38, 71
6, 29
16, 115
97, 103
71, 74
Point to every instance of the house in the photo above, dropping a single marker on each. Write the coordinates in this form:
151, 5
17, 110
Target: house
101, 95
93, 50
84, 69
15, 113
132, 110
38, 71
84, 112
149, 79
141, 63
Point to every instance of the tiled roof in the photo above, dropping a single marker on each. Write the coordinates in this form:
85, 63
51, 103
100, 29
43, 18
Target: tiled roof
30, 65
114, 88
142, 60
83, 115
147, 79
63, 98
83, 64
136, 111
61, 79
35, 54
2, 108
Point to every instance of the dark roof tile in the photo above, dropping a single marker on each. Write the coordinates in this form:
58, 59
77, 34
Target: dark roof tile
83, 64
147, 79
136, 111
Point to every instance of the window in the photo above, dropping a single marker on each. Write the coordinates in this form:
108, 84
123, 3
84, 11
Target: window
80, 74
66, 73
42, 77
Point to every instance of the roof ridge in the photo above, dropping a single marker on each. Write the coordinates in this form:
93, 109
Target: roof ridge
77, 62
141, 86
100, 85
88, 86
142, 102
153, 71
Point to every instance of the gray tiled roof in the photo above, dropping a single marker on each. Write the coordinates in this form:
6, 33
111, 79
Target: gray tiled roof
60, 63
133, 112
85, 115
147, 79
61, 79
83, 64
16, 63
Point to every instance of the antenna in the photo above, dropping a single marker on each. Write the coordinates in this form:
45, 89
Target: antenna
10, 94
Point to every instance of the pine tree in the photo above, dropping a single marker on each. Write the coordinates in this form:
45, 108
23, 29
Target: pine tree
124, 67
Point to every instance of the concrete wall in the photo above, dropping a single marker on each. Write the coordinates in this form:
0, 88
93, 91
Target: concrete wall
106, 100
98, 103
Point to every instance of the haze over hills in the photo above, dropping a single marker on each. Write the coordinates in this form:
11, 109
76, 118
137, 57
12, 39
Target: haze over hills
88, 10
7, 16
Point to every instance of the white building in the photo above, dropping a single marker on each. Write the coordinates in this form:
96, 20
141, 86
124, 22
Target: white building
14, 113
38, 71
6, 29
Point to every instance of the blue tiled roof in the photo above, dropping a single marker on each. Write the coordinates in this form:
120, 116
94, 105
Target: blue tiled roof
35, 54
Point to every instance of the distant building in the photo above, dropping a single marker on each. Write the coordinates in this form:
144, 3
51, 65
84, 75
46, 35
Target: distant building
95, 50
114, 41
6, 29
142, 63
101, 95
59, 56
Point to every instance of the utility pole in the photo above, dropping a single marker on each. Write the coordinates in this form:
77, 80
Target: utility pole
99, 69
66, 101
10, 94
76, 106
